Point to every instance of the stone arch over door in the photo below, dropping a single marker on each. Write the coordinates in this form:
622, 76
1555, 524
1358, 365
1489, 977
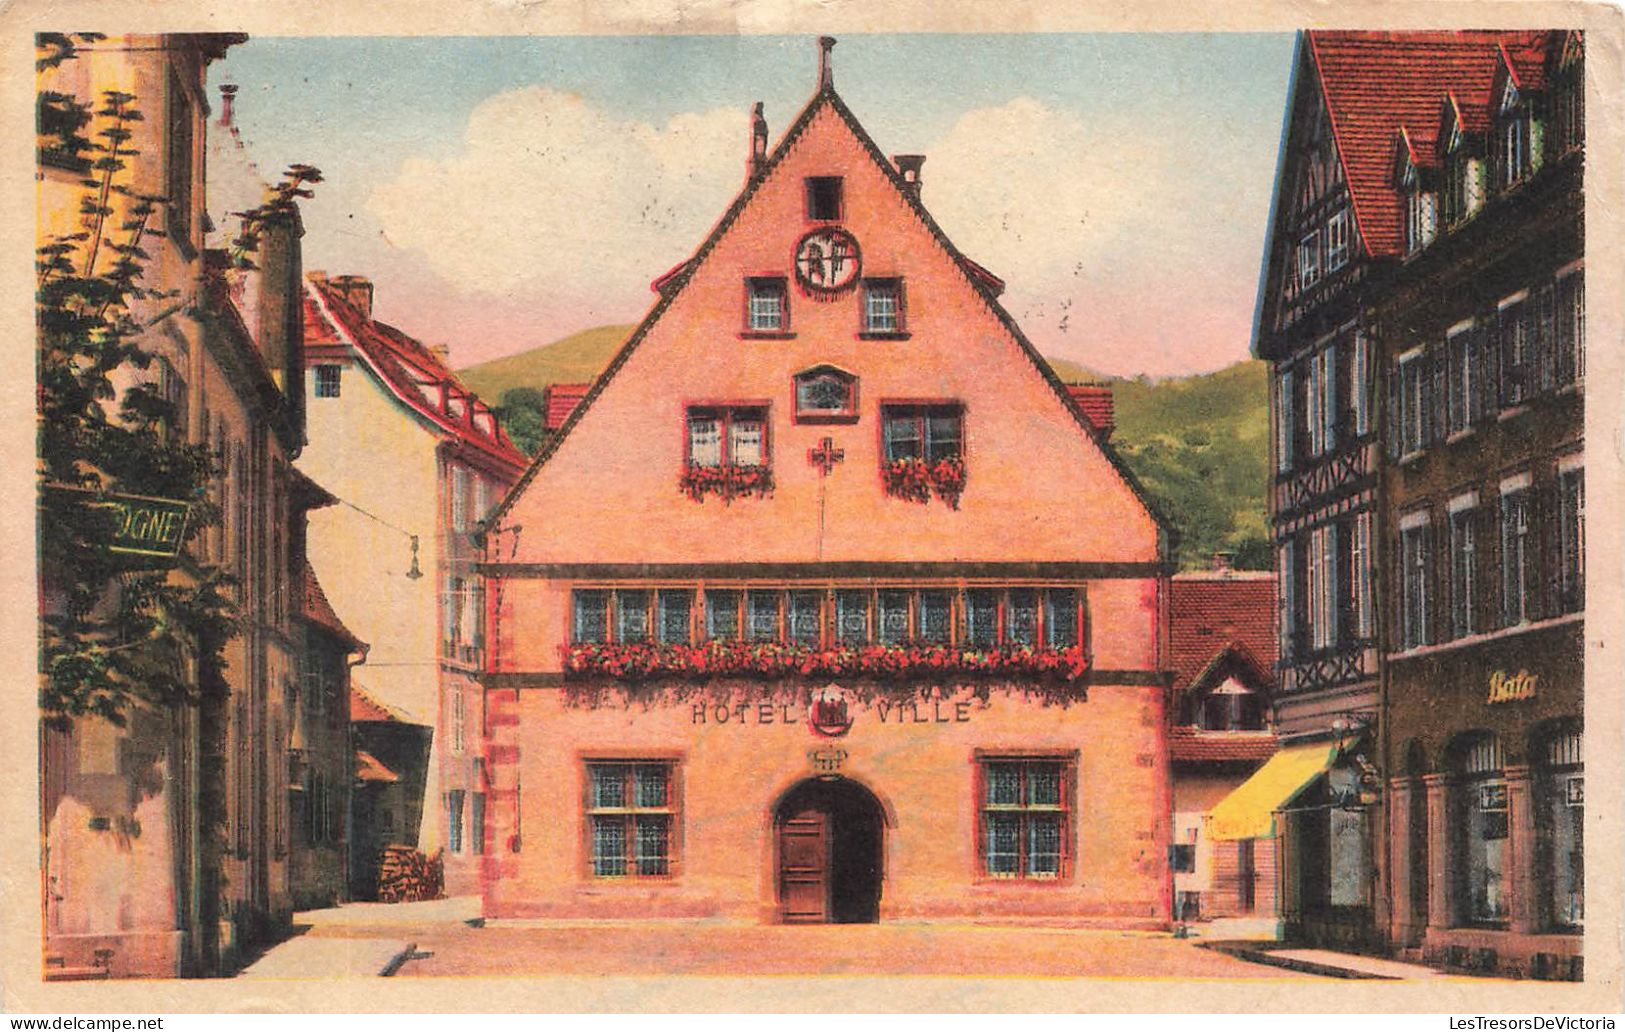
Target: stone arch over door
829, 852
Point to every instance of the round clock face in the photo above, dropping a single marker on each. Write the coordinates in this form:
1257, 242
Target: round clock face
827, 260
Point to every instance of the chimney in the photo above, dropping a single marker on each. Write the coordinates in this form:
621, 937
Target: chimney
758, 141
228, 93
909, 166
442, 352
1223, 562
826, 75
358, 291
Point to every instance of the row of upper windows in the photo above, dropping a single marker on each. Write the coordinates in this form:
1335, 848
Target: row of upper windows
632, 811
1324, 400
738, 435
1322, 251
1533, 343
979, 618
881, 306
1325, 580
1536, 547
1524, 135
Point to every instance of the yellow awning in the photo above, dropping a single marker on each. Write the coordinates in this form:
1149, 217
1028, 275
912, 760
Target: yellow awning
1248, 811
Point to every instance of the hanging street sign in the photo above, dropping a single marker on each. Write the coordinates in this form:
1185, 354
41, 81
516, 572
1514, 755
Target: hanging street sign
142, 526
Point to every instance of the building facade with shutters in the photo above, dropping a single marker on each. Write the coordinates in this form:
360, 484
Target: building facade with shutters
827, 602
415, 461
1451, 246
1483, 332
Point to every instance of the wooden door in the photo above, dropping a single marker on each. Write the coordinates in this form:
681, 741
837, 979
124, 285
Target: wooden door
804, 867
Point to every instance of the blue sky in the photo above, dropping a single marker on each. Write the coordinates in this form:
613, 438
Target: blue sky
462, 172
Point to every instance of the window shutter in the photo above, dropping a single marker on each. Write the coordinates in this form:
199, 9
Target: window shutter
1439, 373
1545, 342
1393, 418
1493, 391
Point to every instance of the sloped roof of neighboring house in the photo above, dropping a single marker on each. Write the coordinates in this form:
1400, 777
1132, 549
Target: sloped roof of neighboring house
1376, 83
318, 610
410, 372
1214, 614
1095, 401
369, 768
1193, 745
984, 283
562, 399
364, 709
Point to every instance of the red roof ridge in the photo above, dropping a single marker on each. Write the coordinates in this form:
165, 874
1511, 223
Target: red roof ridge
365, 709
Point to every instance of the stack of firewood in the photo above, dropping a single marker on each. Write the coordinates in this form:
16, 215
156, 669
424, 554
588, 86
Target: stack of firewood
406, 875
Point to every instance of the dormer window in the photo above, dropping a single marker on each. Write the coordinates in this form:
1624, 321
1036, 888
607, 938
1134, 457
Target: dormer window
1230, 706
824, 198
1420, 216
826, 395
1515, 151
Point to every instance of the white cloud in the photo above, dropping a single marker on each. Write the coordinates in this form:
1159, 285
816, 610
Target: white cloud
560, 200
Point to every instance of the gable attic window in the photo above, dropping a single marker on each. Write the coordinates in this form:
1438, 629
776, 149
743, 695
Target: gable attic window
826, 395
767, 308
727, 436
327, 381
1309, 260
824, 198
1337, 240
882, 308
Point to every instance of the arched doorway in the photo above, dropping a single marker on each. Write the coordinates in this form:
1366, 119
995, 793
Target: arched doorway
830, 853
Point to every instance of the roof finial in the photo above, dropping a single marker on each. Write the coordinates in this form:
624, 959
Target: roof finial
228, 93
826, 77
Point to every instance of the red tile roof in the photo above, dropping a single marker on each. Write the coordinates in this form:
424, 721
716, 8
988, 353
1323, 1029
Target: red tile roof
368, 768
1376, 83
364, 709
1095, 401
1191, 744
1210, 613
319, 611
559, 400
408, 370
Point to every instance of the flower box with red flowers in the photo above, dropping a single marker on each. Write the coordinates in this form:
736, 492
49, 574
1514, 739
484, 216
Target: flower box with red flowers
918, 479
772, 660
727, 482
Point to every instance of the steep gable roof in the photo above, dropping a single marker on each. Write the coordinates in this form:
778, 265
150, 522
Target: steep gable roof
1375, 83
410, 372
316, 609
671, 284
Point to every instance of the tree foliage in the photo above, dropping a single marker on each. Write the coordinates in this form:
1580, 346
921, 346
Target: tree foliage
522, 411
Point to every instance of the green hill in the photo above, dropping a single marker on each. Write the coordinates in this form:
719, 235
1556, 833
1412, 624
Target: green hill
1199, 444
577, 358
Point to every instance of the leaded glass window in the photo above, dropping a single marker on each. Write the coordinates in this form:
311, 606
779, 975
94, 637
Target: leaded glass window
763, 615
591, 619
768, 312
675, 610
632, 616
802, 617
1021, 622
1061, 618
746, 434
824, 393
893, 625
1025, 810
882, 306
935, 616
630, 812
722, 615
852, 617
981, 618
704, 440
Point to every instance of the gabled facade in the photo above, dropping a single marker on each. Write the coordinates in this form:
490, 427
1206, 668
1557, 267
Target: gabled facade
416, 461
1462, 155
826, 603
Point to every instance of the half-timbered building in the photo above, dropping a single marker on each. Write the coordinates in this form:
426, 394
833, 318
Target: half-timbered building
827, 602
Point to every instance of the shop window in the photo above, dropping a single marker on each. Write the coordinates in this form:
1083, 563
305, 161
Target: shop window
767, 307
1481, 831
674, 624
1348, 840
1560, 818
1025, 808
826, 395
631, 814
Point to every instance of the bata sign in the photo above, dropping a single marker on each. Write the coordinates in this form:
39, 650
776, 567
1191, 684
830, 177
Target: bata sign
1505, 687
